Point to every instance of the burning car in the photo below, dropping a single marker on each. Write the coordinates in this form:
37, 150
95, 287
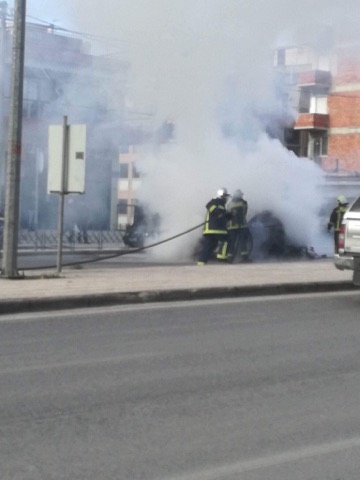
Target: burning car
270, 239
143, 226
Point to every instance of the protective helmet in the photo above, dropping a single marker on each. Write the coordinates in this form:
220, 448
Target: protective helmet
238, 194
222, 193
342, 200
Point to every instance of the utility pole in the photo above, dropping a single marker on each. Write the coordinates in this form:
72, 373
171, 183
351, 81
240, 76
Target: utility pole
3, 8
12, 194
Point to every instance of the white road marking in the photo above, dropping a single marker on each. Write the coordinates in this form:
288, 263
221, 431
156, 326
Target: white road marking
269, 461
79, 363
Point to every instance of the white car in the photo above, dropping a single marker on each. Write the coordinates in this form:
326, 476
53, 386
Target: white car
348, 257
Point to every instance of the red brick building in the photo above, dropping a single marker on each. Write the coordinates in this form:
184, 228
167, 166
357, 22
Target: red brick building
325, 93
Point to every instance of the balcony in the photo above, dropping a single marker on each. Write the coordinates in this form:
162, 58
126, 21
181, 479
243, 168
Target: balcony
312, 121
317, 78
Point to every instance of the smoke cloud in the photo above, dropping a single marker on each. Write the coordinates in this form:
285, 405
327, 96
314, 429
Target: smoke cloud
207, 66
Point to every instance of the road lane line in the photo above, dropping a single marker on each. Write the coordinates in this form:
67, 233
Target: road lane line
225, 471
79, 363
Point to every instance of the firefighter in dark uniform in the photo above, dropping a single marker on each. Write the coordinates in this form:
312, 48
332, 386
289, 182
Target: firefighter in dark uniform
237, 225
215, 230
336, 219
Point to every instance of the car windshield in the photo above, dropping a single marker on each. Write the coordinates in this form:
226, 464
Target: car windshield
355, 207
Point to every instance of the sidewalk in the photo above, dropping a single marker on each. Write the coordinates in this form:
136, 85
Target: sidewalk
90, 286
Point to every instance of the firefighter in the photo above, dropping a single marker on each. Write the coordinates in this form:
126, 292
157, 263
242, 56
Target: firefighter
215, 230
336, 219
236, 226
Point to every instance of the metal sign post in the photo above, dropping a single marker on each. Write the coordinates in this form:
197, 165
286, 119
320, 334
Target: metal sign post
63, 183
66, 169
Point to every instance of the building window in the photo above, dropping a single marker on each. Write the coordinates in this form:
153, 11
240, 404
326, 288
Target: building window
122, 207
320, 146
318, 104
124, 170
32, 109
304, 101
292, 140
135, 172
31, 89
280, 57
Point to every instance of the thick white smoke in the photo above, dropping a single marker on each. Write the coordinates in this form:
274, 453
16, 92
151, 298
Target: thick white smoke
207, 66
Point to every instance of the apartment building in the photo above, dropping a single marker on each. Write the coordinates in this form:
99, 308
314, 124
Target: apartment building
323, 88
63, 78
325, 94
126, 177
127, 184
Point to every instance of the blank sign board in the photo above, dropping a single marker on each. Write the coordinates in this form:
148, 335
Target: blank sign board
74, 169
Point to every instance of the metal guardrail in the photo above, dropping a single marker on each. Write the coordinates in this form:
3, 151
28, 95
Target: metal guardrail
48, 239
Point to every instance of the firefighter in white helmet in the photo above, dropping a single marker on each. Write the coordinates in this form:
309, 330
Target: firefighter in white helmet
336, 219
215, 229
237, 224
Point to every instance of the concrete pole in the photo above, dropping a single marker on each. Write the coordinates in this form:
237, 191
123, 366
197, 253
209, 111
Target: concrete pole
12, 191
3, 8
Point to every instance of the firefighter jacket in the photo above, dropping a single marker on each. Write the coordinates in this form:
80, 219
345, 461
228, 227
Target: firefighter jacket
237, 209
336, 217
216, 218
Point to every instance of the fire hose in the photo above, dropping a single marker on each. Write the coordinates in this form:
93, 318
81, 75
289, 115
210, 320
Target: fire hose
118, 253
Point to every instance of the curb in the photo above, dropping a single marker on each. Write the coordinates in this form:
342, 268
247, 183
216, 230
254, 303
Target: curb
122, 298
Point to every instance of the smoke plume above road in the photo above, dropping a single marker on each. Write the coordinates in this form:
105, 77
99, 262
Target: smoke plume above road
207, 66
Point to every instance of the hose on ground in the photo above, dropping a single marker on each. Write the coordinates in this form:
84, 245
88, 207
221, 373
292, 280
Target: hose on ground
121, 253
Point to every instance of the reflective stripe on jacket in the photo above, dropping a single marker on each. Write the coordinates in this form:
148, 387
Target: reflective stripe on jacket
238, 210
337, 216
216, 218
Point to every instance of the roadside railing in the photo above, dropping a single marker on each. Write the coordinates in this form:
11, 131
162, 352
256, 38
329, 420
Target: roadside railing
93, 239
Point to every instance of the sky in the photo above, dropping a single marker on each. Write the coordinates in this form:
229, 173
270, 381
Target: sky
206, 64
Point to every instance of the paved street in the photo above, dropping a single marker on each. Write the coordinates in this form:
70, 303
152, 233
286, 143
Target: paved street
263, 388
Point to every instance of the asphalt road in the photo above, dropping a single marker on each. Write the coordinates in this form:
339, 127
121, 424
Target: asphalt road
250, 389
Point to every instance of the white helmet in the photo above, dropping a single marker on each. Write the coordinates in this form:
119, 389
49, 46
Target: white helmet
222, 193
238, 194
342, 200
